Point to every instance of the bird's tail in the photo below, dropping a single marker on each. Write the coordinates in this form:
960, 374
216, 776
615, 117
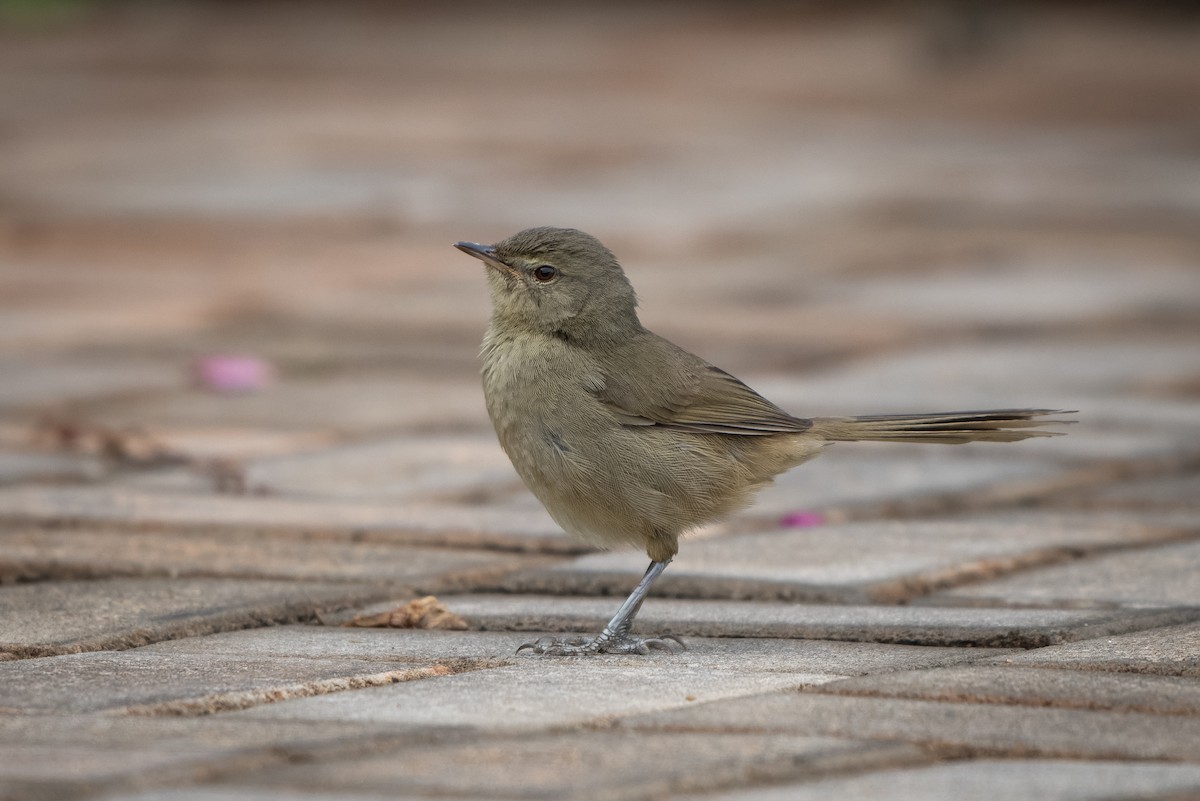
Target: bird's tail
949, 428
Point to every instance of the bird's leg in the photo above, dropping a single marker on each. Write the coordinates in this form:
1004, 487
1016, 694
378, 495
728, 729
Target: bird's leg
615, 638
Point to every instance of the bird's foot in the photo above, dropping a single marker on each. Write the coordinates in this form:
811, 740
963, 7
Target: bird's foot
602, 644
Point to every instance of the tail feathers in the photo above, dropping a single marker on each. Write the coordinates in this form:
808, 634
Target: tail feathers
949, 428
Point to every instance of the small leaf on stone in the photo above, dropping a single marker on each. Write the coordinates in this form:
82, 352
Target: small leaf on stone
420, 613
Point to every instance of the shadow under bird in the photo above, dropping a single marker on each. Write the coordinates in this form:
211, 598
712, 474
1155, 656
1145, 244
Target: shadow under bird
628, 439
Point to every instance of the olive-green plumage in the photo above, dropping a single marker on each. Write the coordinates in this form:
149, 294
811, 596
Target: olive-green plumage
626, 438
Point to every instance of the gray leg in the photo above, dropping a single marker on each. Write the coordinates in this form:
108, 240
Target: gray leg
615, 639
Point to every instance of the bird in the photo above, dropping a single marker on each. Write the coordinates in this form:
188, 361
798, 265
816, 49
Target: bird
628, 439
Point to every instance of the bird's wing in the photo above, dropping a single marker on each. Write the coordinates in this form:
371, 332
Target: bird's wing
659, 384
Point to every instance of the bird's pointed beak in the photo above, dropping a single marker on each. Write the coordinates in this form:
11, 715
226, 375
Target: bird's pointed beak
487, 255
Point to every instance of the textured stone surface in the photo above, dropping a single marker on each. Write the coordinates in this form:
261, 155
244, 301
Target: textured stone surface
163, 683
30, 383
1164, 575
19, 467
70, 616
536, 694
985, 779
958, 728
583, 765
925, 625
1170, 651
1169, 492
1040, 296
371, 403
980, 374
240, 792
726, 654
435, 466
1123, 692
879, 560
530, 692
79, 553
396, 522
62, 755
851, 474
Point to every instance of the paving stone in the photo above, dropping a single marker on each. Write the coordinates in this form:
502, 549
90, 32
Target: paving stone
409, 467
587, 765
1166, 523
1058, 485
307, 641
1034, 172
18, 467
236, 792
19, 462
351, 323
536, 694
529, 692
238, 443
1134, 412
27, 553
958, 729
996, 684
1171, 651
1151, 494
81, 296
858, 473
746, 654
398, 522
1163, 575
368, 402
924, 625
1003, 374
1126, 426
755, 329
71, 616
877, 560
1031, 294
987, 779
49, 383
139, 682
969, 296
67, 756
500, 489
240, 792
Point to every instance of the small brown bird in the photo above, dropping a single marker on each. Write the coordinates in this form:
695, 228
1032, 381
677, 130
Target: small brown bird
627, 439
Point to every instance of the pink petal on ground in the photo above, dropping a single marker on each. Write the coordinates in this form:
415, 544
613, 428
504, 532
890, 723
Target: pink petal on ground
802, 519
233, 373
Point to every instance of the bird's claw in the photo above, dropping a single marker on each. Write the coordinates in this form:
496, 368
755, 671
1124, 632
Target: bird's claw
582, 646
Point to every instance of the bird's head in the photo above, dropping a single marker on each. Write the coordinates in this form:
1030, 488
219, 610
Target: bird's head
559, 282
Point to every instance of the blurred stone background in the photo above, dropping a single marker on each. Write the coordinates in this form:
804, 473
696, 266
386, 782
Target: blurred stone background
857, 208
238, 387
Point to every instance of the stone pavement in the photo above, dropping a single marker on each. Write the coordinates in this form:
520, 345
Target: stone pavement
866, 211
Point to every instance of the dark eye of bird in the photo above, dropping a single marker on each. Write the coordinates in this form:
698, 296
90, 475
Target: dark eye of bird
544, 273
